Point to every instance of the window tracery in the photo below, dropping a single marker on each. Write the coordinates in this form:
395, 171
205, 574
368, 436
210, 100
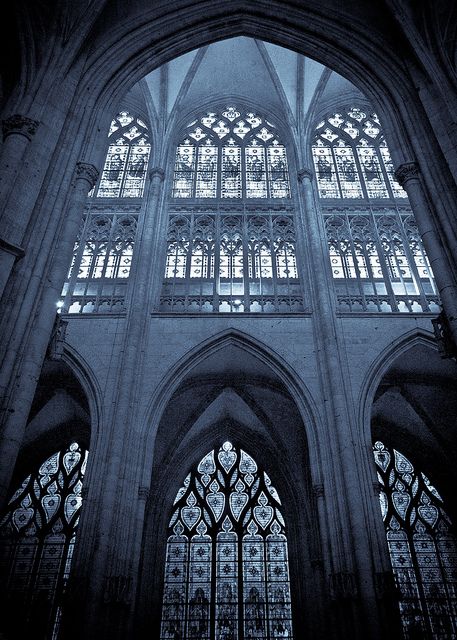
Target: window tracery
101, 263
227, 256
226, 572
38, 535
231, 155
126, 162
376, 255
422, 547
351, 157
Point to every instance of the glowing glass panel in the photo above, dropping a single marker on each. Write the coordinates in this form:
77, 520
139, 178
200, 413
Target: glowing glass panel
37, 534
423, 549
226, 573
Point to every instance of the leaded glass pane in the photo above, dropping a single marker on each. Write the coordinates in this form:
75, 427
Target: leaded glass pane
416, 527
37, 534
235, 155
226, 525
125, 166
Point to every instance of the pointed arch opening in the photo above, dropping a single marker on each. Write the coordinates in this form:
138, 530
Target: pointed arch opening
226, 572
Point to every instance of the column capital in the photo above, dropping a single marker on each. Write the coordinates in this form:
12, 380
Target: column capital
305, 173
86, 171
156, 172
406, 171
19, 125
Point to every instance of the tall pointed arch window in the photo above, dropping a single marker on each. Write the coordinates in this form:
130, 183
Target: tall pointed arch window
377, 259
226, 573
126, 162
422, 547
231, 234
37, 535
103, 253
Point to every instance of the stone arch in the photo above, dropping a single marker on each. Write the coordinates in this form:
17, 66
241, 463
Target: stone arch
182, 368
228, 412
422, 421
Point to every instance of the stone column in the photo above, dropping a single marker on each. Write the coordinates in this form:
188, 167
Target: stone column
116, 523
343, 514
17, 133
408, 176
18, 395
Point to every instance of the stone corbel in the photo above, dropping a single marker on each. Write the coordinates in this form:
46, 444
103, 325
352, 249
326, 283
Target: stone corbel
443, 336
57, 340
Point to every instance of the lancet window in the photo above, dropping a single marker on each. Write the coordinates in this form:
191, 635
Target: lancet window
231, 254
126, 162
231, 154
37, 535
422, 547
226, 573
376, 255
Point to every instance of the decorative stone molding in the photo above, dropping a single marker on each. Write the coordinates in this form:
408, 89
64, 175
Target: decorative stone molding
343, 585
143, 493
318, 491
443, 337
17, 252
19, 125
156, 172
86, 171
405, 172
57, 340
305, 173
117, 590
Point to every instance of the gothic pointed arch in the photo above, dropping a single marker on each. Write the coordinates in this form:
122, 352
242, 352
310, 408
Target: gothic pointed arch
422, 546
377, 259
226, 570
231, 233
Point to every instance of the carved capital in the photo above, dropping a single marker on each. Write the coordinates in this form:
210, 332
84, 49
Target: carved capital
407, 171
156, 172
143, 493
343, 585
19, 125
118, 590
318, 491
305, 174
86, 171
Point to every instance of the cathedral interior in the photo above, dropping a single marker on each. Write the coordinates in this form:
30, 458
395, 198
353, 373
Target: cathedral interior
228, 290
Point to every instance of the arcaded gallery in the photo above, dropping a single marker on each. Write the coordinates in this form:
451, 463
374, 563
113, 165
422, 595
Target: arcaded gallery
228, 278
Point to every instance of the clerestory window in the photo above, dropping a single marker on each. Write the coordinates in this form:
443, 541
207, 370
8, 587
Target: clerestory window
231, 233
226, 573
422, 547
377, 259
103, 252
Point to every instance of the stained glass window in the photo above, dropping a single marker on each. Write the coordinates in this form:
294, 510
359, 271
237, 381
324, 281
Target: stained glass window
231, 262
124, 172
231, 154
38, 535
378, 262
102, 258
376, 255
351, 157
226, 573
422, 546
